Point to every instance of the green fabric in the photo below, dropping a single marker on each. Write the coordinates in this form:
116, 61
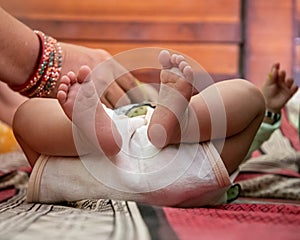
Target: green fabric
137, 111
262, 135
233, 192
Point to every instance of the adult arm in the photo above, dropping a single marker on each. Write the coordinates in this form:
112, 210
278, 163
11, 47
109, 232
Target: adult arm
19, 51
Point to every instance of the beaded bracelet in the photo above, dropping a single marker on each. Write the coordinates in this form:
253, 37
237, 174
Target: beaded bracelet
47, 71
53, 74
37, 83
43, 80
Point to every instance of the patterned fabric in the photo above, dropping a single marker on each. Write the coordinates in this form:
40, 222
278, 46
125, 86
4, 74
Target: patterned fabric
271, 186
89, 219
236, 221
274, 173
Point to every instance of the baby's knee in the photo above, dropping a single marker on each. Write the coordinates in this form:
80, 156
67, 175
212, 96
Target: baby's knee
253, 94
22, 116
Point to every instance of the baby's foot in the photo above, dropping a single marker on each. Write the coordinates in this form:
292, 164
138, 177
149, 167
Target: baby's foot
90, 116
174, 96
68, 89
176, 73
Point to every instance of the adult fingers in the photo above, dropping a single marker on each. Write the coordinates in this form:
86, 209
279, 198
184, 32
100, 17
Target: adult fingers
130, 86
115, 96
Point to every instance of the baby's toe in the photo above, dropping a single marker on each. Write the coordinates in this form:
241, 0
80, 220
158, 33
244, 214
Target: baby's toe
164, 59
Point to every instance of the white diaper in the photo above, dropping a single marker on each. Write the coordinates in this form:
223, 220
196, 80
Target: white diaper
186, 175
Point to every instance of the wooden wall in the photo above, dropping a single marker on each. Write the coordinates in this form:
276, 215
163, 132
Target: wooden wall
229, 38
208, 31
296, 65
269, 37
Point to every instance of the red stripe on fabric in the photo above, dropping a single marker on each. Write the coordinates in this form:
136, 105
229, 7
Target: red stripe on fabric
289, 131
256, 153
7, 193
247, 176
236, 221
258, 173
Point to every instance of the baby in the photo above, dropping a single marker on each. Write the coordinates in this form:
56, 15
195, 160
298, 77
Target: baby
177, 153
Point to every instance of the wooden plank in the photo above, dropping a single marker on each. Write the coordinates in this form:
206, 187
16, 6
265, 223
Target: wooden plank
219, 59
296, 63
297, 6
208, 31
269, 34
229, 10
296, 66
138, 30
152, 76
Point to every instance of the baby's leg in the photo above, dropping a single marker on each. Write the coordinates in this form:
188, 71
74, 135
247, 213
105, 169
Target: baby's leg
41, 127
90, 116
227, 113
174, 96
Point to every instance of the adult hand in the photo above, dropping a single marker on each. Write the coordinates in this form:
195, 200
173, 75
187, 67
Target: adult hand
122, 91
